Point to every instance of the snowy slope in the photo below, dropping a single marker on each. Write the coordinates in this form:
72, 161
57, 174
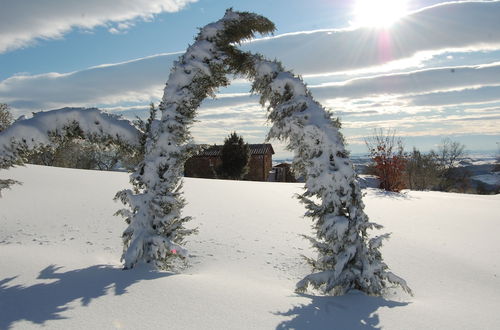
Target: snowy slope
60, 248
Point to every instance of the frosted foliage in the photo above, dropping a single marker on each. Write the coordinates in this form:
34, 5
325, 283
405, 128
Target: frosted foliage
29, 134
6, 183
347, 258
156, 229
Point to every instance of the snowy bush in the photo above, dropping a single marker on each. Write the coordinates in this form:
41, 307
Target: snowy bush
389, 159
26, 136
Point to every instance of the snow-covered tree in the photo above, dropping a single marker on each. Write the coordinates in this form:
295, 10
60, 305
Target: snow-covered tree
347, 257
156, 226
6, 118
44, 128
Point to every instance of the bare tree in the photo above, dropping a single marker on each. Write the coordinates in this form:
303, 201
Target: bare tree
387, 153
453, 177
449, 152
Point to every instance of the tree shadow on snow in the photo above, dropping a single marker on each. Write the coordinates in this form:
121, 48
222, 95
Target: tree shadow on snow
352, 311
46, 301
393, 195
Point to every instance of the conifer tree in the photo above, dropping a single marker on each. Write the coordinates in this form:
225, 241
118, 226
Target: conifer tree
347, 257
156, 226
6, 118
235, 156
43, 131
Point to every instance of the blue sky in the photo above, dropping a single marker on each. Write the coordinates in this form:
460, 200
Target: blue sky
427, 69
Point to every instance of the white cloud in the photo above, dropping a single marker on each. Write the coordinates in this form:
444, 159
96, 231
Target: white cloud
133, 81
453, 26
142, 81
24, 21
421, 126
418, 102
114, 30
437, 86
463, 25
466, 96
436, 79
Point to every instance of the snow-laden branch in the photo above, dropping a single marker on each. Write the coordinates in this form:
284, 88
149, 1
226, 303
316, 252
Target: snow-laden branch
37, 131
347, 258
156, 225
26, 135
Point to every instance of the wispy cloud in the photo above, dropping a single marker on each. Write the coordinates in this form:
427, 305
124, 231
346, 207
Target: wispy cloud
427, 87
424, 126
466, 96
435, 79
133, 81
23, 22
417, 100
458, 26
452, 26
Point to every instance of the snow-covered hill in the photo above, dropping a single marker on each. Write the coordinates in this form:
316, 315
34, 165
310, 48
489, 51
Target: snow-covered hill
60, 247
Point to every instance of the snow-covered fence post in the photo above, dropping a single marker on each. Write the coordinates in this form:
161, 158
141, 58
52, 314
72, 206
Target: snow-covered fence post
347, 258
26, 135
156, 229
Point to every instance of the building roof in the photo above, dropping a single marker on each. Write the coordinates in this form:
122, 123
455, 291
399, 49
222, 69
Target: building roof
255, 149
283, 165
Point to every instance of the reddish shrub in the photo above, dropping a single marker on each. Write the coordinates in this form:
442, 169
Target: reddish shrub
389, 160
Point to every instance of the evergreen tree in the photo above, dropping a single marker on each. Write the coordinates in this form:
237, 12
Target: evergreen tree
347, 257
5, 122
6, 118
156, 227
43, 131
235, 156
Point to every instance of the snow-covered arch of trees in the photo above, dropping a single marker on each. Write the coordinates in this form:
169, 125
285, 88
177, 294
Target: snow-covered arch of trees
30, 134
347, 257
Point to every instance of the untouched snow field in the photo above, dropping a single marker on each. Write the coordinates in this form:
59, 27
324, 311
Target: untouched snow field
60, 246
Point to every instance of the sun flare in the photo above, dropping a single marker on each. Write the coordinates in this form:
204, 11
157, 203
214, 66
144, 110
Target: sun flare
381, 13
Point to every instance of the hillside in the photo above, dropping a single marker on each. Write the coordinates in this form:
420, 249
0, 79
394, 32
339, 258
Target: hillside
60, 246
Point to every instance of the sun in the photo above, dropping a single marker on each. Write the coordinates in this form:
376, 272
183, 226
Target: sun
378, 13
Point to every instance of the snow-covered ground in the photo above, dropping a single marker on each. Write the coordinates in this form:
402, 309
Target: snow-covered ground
60, 248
